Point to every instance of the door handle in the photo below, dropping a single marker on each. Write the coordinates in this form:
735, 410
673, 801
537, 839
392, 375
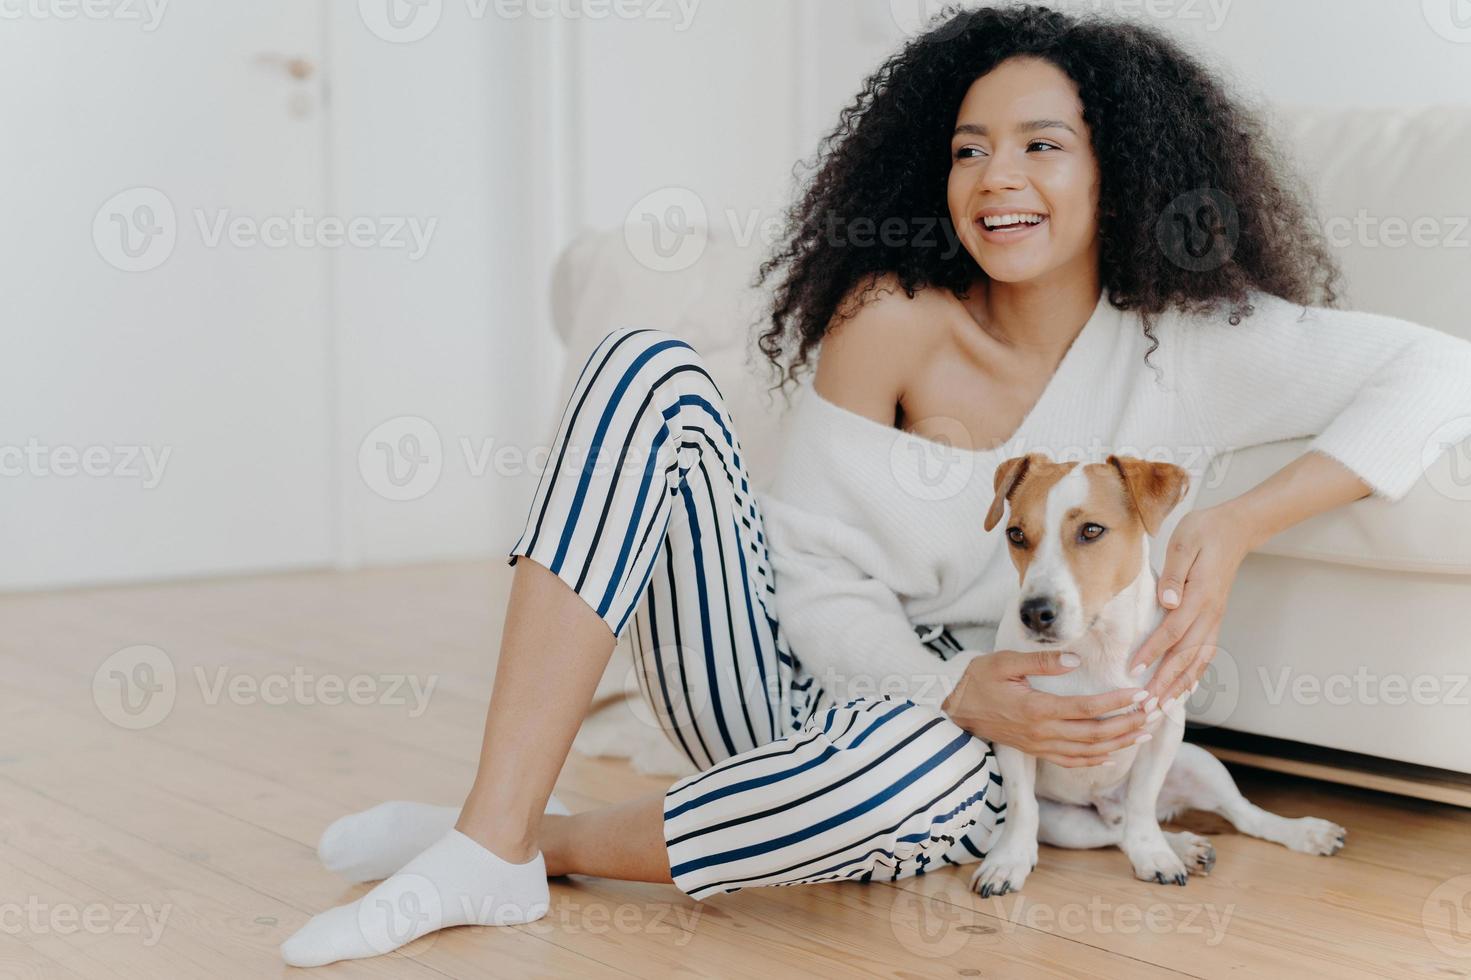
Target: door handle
297, 68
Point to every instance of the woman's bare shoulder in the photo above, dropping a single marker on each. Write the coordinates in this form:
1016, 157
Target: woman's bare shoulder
881, 340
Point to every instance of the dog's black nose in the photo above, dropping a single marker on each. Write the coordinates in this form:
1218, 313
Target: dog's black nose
1038, 613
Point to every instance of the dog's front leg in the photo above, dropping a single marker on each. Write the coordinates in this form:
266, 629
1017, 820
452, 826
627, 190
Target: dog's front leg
1008, 863
1144, 842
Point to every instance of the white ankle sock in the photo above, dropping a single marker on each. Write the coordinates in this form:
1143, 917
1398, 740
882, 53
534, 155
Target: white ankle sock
455, 882
373, 844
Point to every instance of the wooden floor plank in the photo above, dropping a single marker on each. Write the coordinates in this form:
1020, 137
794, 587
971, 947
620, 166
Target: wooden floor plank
216, 810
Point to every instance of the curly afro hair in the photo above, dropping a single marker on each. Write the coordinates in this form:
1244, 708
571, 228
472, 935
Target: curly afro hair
1177, 155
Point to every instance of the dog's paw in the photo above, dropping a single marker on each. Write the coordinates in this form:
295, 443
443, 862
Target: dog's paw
1196, 852
1310, 835
1157, 862
999, 874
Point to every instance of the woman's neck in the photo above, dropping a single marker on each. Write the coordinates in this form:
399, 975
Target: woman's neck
1036, 318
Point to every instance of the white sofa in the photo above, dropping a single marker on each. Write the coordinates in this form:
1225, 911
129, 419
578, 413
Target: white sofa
1351, 631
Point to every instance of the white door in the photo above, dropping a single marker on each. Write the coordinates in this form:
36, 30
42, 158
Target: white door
165, 386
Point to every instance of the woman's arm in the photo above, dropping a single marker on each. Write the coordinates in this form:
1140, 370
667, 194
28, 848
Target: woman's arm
1372, 390
1208, 547
1310, 485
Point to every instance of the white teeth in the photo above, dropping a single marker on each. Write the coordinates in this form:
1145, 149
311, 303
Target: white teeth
993, 221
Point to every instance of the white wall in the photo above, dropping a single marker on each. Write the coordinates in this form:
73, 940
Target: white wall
1334, 52
726, 106
260, 371
508, 123
1317, 52
723, 108
441, 127
207, 358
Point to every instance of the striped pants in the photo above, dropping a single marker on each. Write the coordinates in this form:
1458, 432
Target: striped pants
646, 511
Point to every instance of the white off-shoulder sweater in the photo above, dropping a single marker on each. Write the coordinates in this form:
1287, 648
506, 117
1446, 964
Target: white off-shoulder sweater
873, 531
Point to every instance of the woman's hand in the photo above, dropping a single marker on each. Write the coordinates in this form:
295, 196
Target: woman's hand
1201, 562
994, 701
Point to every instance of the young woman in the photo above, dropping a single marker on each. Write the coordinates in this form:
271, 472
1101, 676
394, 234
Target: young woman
1080, 240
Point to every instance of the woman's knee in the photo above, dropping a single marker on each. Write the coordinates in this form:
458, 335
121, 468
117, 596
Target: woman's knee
652, 368
912, 780
880, 726
918, 764
656, 381
631, 344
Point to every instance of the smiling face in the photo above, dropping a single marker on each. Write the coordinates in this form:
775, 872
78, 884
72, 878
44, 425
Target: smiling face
1021, 147
1076, 534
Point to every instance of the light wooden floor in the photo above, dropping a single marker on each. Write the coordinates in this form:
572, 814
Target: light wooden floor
211, 815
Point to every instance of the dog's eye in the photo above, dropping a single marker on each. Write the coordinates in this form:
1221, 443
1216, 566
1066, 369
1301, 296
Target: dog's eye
1091, 531
1015, 536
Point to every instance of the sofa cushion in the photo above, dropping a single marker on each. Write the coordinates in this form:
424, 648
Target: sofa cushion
1428, 531
1391, 197
599, 285
1390, 189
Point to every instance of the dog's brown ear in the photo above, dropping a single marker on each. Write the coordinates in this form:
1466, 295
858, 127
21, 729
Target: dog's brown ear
1008, 475
1155, 488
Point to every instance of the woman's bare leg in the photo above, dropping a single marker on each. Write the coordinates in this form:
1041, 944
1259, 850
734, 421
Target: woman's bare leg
553, 652
489, 870
674, 506
625, 841
549, 633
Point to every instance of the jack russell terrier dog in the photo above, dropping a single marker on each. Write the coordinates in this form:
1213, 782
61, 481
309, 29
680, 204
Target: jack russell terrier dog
1079, 537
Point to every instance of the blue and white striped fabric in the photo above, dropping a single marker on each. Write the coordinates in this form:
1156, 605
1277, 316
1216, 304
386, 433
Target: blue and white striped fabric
646, 512
874, 787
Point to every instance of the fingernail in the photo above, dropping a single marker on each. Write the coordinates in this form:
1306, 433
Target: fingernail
1143, 738
1070, 659
1138, 670
1153, 717
1171, 702
1139, 696
1108, 762
1171, 597
1191, 692
1151, 704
